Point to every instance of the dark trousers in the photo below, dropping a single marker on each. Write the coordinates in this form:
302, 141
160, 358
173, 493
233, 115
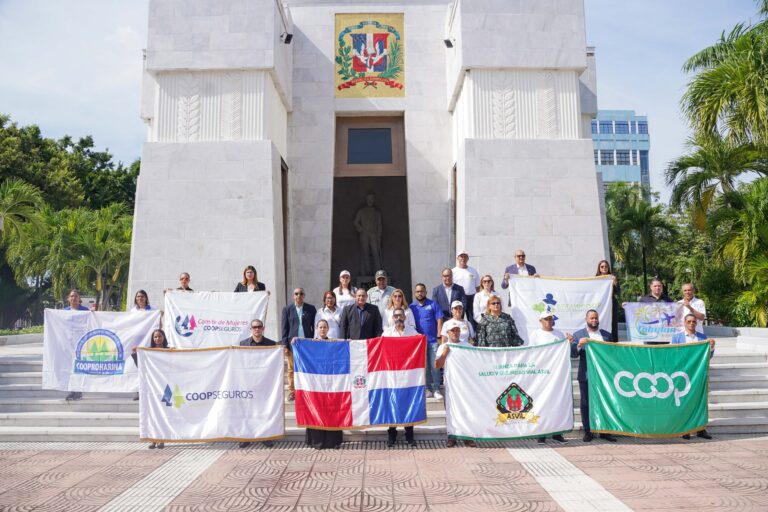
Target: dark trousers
392, 433
470, 313
584, 405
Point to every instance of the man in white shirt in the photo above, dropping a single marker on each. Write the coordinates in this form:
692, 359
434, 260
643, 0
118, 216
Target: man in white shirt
454, 331
547, 333
399, 328
468, 278
691, 305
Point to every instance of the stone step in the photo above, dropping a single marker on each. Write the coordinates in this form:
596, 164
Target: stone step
21, 378
11, 365
720, 382
737, 395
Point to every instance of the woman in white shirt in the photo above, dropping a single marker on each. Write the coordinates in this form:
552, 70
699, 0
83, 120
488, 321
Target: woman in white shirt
397, 300
345, 292
467, 332
481, 297
331, 313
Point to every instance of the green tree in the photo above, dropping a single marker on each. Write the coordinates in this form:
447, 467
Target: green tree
712, 167
19, 205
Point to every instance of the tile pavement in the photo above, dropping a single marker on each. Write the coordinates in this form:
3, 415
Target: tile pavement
728, 473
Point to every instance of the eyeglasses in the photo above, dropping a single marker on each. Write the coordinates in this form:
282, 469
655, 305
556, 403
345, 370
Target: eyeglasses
495, 303
399, 315
298, 293
257, 327
183, 279
519, 255
447, 275
486, 281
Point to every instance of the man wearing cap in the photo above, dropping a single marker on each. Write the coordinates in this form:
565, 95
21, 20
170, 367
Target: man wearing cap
547, 334
448, 292
379, 294
453, 328
578, 345
398, 328
468, 278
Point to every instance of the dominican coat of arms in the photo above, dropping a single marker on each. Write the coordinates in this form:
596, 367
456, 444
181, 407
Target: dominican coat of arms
370, 53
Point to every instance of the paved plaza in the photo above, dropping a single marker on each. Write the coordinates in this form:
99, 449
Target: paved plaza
728, 473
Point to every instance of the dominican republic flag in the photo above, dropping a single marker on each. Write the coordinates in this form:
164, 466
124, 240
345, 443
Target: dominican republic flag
351, 384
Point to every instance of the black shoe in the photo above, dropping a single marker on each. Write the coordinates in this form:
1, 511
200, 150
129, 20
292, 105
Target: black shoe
391, 437
608, 437
74, 395
268, 444
704, 434
559, 438
541, 440
152, 446
588, 437
160, 445
686, 436
136, 397
245, 444
411, 442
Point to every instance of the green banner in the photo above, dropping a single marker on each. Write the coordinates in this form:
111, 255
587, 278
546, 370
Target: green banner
648, 391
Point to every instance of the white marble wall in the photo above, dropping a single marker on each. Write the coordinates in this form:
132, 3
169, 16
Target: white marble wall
312, 125
210, 209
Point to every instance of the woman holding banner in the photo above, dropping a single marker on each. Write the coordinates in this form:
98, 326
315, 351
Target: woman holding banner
604, 269
250, 282
497, 329
481, 298
316, 438
397, 301
141, 301
158, 340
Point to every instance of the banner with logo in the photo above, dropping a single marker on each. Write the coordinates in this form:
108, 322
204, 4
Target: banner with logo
653, 321
568, 299
648, 391
214, 394
91, 351
352, 384
508, 393
211, 319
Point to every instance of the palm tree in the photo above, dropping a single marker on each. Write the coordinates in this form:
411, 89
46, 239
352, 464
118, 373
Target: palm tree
729, 93
755, 297
710, 169
739, 225
20, 204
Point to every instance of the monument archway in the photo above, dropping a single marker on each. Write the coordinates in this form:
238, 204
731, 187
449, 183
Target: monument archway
370, 202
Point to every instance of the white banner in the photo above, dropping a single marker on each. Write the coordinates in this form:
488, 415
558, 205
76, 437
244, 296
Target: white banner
211, 319
568, 299
508, 393
219, 394
91, 351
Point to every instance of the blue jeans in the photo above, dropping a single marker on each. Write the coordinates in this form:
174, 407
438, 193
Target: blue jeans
433, 374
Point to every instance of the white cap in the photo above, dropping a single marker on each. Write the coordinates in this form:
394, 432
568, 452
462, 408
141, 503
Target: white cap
452, 324
456, 304
345, 273
464, 252
546, 314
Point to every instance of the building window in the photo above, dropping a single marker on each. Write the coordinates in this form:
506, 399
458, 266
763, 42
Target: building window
622, 127
594, 126
622, 157
642, 127
369, 146
606, 157
643, 160
633, 126
597, 157
606, 126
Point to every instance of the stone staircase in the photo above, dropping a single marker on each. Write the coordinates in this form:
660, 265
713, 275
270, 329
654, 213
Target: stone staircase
738, 403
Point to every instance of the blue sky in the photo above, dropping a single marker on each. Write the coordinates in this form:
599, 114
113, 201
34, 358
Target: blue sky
74, 67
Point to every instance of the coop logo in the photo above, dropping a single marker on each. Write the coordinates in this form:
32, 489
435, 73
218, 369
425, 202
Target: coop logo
172, 398
650, 390
358, 382
514, 405
186, 326
99, 352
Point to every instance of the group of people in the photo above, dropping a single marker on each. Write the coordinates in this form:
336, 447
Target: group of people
465, 309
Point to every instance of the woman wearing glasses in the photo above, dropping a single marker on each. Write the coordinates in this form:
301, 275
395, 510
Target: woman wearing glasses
481, 298
397, 301
497, 329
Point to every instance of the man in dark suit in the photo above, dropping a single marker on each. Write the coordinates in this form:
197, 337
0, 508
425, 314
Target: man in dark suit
298, 322
257, 339
519, 267
448, 292
578, 349
360, 321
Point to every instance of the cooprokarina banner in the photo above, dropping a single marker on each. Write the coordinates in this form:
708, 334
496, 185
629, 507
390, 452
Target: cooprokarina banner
508, 393
211, 319
215, 394
652, 321
568, 299
91, 351
351, 384
648, 391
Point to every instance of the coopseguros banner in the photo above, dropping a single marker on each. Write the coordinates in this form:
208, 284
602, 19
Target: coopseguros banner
568, 299
508, 393
215, 394
211, 319
654, 321
648, 391
91, 351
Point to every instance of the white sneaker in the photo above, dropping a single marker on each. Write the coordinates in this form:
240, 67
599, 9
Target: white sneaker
430, 394
438, 395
